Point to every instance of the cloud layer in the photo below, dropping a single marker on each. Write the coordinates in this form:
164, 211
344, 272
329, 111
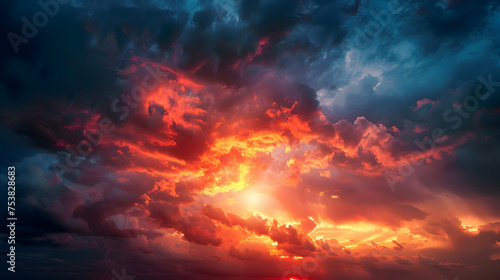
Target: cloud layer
235, 139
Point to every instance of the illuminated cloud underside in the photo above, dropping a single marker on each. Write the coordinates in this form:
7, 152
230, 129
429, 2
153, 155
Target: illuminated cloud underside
264, 151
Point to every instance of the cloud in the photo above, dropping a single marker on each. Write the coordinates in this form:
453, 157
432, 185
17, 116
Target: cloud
264, 144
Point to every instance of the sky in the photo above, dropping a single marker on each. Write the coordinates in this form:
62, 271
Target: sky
252, 139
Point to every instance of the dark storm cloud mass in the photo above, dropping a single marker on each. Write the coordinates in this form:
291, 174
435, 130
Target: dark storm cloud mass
356, 82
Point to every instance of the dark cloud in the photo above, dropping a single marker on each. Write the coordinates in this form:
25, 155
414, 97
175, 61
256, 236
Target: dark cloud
270, 133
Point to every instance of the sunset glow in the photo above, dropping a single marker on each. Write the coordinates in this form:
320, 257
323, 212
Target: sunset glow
260, 140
